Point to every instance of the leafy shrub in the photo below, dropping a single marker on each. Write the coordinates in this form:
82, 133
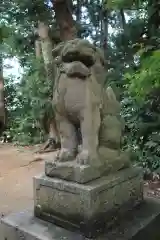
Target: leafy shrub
141, 110
28, 102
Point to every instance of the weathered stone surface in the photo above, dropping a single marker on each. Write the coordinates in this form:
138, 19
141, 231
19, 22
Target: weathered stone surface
24, 226
82, 105
72, 171
88, 206
142, 223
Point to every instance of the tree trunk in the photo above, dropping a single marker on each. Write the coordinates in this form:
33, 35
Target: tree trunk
153, 18
2, 99
123, 20
68, 31
63, 13
38, 49
46, 47
104, 30
78, 17
101, 26
78, 12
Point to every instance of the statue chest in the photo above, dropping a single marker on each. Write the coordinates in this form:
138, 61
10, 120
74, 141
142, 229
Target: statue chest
75, 95
71, 94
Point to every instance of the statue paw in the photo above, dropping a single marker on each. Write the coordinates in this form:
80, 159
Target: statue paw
83, 157
64, 155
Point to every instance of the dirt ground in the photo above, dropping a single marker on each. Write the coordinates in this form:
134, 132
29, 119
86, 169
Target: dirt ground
16, 172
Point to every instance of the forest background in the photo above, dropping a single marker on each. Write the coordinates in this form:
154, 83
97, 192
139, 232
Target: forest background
127, 31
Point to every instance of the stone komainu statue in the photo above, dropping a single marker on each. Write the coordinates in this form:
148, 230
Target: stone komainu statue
83, 106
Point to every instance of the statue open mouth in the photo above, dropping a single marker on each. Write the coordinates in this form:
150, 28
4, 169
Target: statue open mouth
77, 64
74, 56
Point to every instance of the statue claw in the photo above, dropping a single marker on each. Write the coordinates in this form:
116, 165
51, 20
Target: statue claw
64, 155
83, 157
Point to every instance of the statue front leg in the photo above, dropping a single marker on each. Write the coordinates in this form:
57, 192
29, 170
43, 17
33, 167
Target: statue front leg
68, 137
89, 124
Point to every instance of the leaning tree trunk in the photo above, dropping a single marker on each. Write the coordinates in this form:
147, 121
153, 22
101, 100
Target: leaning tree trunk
2, 99
46, 48
38, 48
68, 31
46, 45
104, 14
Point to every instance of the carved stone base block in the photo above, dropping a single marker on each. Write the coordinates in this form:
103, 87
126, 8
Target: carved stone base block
141, 223
89, 207
71, 171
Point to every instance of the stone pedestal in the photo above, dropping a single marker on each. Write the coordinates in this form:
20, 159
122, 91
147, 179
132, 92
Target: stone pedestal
88, 207
141, 223
71, 171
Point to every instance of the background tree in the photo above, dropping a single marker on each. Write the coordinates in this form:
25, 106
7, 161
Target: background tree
128, 32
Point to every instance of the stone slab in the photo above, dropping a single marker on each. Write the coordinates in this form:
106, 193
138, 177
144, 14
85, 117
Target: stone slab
24, 226
88, 207
142, 223
71, 171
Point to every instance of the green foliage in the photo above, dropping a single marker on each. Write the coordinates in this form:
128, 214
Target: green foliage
132, 54
4, 32
147, 78
122, 4
143, 129
144, 120
28, 102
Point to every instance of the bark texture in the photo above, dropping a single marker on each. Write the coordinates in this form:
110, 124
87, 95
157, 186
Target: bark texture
2, 99
46, 48
63, 13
